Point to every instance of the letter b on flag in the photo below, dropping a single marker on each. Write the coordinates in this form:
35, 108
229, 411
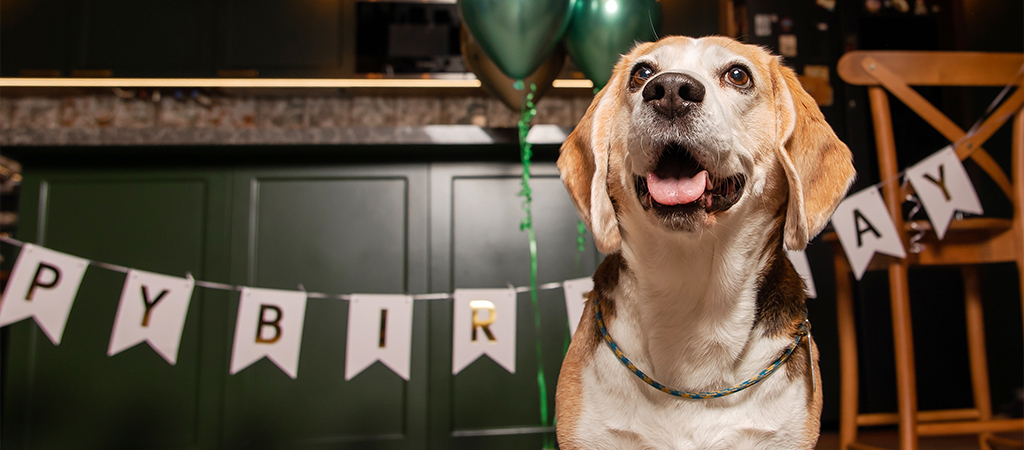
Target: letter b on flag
269, 324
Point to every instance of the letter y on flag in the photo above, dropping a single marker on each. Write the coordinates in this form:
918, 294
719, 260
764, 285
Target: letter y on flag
152, 309
943, 186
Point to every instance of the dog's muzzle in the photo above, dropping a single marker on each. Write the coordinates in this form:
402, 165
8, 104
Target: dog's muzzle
679, 182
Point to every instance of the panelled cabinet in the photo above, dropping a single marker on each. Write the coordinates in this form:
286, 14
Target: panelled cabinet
337, 225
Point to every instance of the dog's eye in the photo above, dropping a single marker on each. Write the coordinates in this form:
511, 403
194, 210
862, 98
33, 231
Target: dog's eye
640, 74
738, 76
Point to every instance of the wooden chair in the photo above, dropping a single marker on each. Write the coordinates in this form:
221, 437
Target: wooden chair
967, 243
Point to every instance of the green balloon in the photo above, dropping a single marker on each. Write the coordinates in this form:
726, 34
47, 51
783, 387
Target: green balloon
518, 35
604, 30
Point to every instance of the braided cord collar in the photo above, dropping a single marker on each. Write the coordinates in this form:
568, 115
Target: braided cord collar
803, 332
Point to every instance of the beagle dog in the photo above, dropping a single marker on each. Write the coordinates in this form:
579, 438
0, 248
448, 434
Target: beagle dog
697, 164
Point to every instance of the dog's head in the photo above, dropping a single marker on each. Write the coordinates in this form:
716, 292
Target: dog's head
693, 133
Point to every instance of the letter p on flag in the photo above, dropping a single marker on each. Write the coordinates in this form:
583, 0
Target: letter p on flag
43, 285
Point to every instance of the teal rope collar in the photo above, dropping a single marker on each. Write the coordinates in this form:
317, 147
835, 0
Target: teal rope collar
804, 331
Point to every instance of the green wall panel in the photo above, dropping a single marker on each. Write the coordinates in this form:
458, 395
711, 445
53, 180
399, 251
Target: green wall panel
340, 229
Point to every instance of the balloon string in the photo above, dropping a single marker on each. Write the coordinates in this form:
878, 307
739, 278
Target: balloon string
529, 110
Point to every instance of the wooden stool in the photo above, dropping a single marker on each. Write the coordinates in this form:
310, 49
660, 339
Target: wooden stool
967, 243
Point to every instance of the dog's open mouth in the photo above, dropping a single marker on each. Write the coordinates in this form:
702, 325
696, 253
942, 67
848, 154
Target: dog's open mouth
681, 183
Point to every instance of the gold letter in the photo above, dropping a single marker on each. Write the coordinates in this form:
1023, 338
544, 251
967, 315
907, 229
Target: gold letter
38, 282
483, 305
941, 182
383, 327
150, 304
275, 324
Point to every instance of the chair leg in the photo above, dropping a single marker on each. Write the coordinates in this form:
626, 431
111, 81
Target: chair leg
849, 387
903, 341
976, 348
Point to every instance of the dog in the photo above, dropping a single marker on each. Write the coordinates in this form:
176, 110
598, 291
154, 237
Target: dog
694, 168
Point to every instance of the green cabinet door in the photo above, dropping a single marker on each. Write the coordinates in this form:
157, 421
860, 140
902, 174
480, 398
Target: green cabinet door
476, 243
340, 231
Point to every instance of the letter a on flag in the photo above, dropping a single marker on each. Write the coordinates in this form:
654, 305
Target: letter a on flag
269, 324
575, 290
43, 285
379, 329
864, 227
152, 309
943, 186
485, 324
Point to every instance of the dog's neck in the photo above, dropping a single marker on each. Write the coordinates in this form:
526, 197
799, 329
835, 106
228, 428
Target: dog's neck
690, 303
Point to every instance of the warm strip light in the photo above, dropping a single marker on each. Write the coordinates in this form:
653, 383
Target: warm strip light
573, 84
259, 83
239, 82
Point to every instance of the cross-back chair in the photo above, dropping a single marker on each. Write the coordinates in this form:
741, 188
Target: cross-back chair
967, 243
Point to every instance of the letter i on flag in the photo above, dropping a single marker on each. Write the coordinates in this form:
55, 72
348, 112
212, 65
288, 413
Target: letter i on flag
865, 227
575, 290
943, 186
43, 285
152, 309
484, 324
269, 324
379, 329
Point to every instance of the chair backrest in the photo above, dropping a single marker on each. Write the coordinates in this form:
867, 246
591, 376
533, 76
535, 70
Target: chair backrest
896, 71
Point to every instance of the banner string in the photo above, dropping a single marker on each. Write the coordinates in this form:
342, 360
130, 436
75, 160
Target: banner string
915, 241
231, 287
970, 132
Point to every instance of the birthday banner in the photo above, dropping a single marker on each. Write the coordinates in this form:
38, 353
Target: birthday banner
269, 322
863, 223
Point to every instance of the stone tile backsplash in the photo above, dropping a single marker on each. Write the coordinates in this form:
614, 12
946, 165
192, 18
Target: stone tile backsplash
99, 111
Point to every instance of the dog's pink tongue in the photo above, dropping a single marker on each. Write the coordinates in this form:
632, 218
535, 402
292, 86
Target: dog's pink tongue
677, 185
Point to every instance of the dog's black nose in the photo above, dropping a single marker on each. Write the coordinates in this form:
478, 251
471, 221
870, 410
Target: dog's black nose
673, 94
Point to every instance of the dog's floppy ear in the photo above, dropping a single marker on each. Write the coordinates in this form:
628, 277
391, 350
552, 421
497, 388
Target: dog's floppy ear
819, 167
583, 164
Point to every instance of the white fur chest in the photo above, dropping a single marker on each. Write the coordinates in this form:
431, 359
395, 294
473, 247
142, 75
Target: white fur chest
623, 412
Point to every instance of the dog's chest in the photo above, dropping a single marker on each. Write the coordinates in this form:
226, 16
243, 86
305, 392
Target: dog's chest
622, 412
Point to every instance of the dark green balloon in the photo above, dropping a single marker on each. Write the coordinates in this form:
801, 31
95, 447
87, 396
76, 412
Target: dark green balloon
604, 30
518, 35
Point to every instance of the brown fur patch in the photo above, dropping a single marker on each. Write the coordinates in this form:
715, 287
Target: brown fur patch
781, 301
781, 298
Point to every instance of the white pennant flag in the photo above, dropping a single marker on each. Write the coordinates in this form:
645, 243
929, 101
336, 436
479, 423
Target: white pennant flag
484, 324
269, 324
152, 309
43, 285
865, 227
575, 300
943, 186
379, 329
803, 268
